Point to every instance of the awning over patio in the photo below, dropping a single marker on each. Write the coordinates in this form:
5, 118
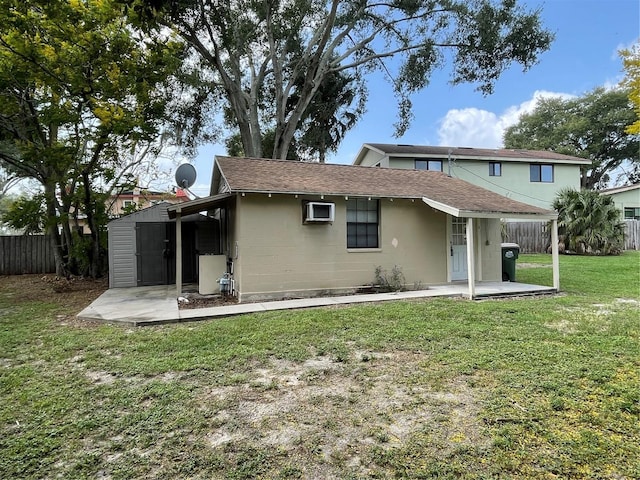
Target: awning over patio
465, 211
472, 214
198, 205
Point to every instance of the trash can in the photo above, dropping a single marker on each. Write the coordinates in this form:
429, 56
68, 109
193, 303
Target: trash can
510, 252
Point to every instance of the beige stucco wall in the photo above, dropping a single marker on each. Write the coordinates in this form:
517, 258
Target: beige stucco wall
278, 256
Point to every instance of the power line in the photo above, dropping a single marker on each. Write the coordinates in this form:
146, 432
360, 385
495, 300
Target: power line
455, 164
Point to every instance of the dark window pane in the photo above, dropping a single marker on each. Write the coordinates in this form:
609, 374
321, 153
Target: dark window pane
535, 173
362, 223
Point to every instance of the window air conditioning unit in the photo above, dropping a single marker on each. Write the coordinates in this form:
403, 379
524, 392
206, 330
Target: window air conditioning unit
320, 212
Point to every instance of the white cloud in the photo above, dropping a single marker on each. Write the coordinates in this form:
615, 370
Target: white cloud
473, 127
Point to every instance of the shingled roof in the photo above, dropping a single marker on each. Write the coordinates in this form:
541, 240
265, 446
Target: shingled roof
252, 175
468, 153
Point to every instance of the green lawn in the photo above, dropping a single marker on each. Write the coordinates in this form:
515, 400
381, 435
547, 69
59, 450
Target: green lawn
538, 387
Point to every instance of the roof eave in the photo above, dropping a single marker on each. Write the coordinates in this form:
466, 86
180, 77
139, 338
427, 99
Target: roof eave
457, 212
362, 153
491, 158
326, 194
197, 205
625, 188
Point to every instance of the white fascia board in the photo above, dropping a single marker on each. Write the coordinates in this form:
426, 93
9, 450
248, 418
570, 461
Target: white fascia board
509, 215
456, 212
442, 207
363, 151
626, 188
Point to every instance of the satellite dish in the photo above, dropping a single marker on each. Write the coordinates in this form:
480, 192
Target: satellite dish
185, 175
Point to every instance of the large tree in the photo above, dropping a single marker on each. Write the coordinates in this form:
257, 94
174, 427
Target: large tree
592, 126
266, 60
631, 81
78, 87
334, 109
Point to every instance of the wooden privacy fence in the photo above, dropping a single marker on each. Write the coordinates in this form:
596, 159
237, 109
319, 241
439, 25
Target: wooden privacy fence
535, 237
632, 235
20, 254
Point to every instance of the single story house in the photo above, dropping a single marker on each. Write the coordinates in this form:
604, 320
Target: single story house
627, 200
297, 229
529, 176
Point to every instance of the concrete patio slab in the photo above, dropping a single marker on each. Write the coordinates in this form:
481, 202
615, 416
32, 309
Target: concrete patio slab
140, 306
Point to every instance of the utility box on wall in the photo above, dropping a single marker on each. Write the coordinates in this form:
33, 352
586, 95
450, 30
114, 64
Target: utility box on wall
212, 267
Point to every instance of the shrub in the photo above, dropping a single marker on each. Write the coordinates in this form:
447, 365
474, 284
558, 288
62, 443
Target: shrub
389, 282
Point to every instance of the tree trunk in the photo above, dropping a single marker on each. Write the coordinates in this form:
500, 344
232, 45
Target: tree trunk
51, 229
93, 252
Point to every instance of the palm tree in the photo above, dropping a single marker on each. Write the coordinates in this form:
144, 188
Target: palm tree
588, 223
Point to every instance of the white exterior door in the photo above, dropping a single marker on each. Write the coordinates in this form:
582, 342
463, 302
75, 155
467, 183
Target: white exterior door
458, 250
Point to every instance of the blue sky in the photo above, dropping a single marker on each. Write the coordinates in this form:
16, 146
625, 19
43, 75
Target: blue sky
584, 56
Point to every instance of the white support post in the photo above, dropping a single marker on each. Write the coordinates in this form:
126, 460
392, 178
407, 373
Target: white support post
449, 248
555, 255
178, 253
479, 227
471, 261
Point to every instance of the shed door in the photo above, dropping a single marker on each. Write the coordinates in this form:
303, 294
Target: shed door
155, 254
458, 250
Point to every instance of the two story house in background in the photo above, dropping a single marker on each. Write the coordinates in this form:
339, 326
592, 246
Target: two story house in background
528, 176
129, 201
138, 199
627, 200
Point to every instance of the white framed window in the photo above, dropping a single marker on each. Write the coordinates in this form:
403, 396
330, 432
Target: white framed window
495, 169
632, 213
363, 222
434, 165
540, 172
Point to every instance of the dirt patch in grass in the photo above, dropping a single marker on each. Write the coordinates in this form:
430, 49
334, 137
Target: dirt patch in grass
72, 295
532, 265
340, 412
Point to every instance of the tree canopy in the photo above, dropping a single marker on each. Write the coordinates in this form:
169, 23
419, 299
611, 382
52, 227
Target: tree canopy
631, 63
592, 126
265, 61
78, 87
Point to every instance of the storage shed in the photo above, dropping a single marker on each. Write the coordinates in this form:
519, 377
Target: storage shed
142, 247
